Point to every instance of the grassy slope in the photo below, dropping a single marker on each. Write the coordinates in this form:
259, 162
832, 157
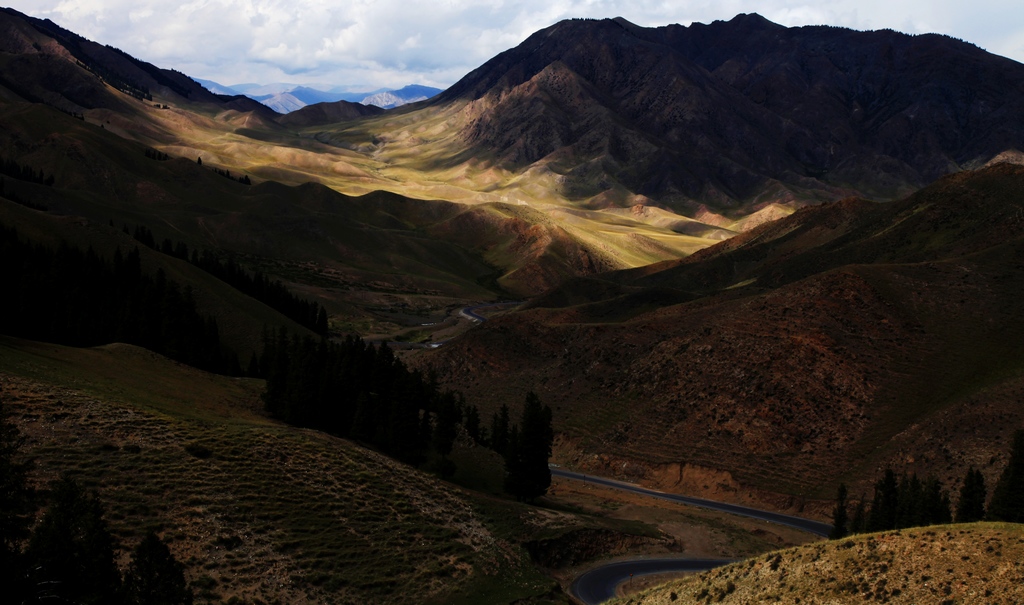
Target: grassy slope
953, 564
240, 318
256, 509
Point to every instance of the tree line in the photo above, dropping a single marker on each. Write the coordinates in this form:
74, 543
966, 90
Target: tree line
272, 293
244, 179
13, 169
68, 296
69, 555
910, 502
153, 154
359, 391
348, 389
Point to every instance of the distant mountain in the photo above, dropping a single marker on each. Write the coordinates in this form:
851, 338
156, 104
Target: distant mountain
283, 102
285, 98
739, 113
327, 113
217, 88
403, 96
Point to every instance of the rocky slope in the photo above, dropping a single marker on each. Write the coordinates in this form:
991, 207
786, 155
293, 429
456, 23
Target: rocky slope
811, 350
739, 113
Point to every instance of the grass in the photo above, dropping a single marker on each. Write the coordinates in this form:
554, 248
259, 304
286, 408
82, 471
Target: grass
255, 509
951, 564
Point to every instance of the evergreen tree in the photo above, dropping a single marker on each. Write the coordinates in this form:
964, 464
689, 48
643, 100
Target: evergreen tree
884, 506
448, 417
15, 509
910, 503
839, 515
859, 522
935, 505
154, 576
526, 466
71, 552
472, 423
499, 430
1008, 495
971, 506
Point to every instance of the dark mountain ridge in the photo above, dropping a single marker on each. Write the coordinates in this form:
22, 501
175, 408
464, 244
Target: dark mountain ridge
739, 113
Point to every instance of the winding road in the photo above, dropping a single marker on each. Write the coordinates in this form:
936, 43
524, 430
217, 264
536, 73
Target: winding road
598, 585
814, 527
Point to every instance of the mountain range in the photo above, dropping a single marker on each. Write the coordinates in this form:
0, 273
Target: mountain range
286, 98
756, 261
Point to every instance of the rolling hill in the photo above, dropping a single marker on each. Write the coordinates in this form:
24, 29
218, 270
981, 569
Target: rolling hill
257, 510
942, 564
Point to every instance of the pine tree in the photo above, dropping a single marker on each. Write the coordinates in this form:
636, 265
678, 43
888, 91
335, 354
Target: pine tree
971, 506
499, 430
72, 551
935, 505
526, 467
154, 576
472, 423
884, 507
858, 524
839, 515
1008, 495
448, 418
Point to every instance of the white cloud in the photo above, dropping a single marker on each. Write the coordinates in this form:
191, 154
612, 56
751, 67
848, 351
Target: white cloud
393, 42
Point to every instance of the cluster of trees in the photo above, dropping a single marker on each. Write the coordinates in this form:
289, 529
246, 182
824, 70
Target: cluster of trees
17, 199
911, 502
153, 154
69, 555
15, 170
525, 447
257, 285
76, 298
349, 389
908, 502
244, 179
123, 83
363, 392
227, 173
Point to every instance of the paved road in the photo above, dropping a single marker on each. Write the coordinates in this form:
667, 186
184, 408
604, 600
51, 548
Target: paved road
598, 585
814, 527
470, 312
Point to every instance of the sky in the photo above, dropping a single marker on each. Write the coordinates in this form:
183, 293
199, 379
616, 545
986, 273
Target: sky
370, 44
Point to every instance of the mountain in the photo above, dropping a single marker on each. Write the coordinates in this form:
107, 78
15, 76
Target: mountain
328, 113
282, 102
218, 89
403, 96
734, 114
814, 349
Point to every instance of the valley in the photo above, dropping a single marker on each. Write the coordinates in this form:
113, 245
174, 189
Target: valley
736, 264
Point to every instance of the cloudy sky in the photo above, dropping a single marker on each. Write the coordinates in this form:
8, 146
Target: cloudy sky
391, 43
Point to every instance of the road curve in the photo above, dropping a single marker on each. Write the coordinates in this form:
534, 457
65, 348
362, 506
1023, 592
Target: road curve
814, 527
598, 585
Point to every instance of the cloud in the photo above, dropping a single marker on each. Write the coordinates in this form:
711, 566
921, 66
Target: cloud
393, 43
